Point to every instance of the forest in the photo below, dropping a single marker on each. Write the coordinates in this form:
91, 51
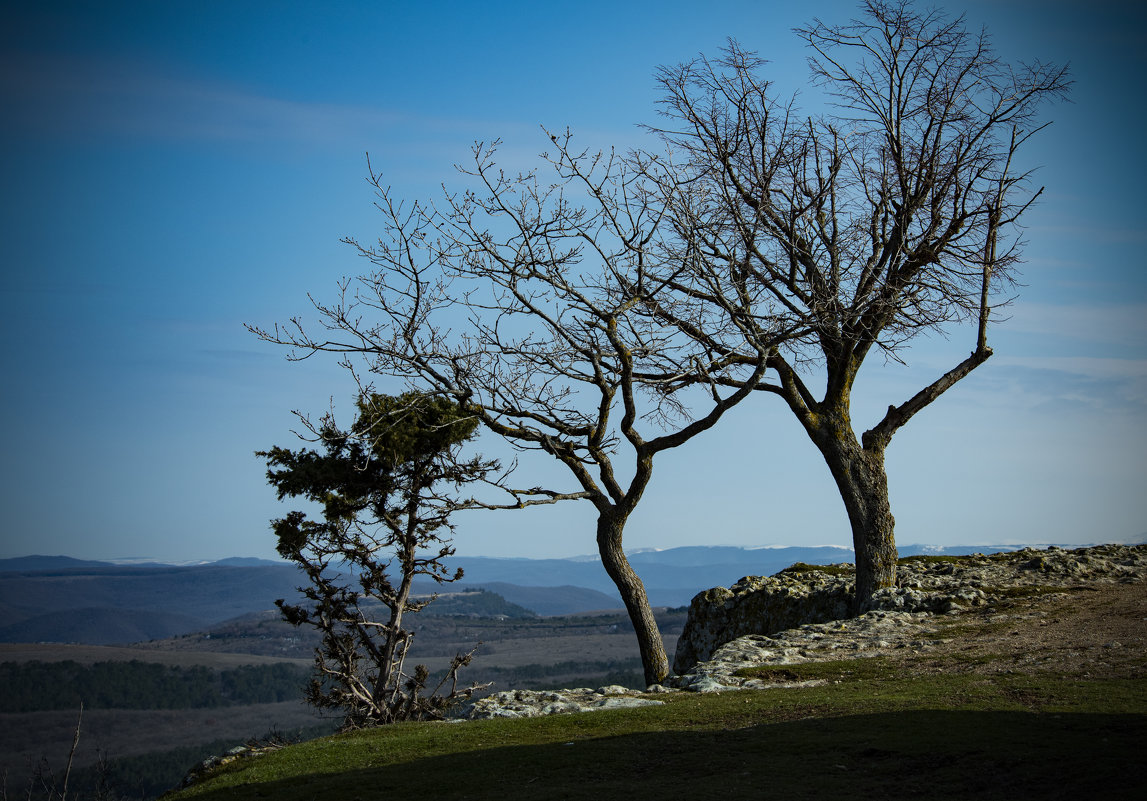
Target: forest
36, 686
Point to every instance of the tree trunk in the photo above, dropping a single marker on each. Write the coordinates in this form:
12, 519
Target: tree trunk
393, 630
863, 484
386, 664
653, 659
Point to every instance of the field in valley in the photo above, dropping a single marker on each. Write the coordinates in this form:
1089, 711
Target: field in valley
528, 652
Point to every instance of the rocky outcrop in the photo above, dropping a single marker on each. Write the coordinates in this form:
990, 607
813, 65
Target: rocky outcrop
868, 635
929, 589
803, 614
805, 594
208, 766
761, 605
537, 703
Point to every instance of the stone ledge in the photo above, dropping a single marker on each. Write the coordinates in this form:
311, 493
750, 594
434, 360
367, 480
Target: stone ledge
538, 703
788, 600
908, 617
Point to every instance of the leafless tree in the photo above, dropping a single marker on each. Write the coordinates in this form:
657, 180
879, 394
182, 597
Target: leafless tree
514, 299
854, 232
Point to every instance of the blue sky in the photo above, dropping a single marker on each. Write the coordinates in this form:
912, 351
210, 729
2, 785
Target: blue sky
173, 170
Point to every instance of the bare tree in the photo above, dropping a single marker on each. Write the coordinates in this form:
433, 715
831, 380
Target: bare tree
854, 232
514, 299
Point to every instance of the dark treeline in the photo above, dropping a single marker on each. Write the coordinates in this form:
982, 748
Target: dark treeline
145, 776
476, 603
40, 686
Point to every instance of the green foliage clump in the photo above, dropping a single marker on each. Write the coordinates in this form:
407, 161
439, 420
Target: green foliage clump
383, 487
397, 448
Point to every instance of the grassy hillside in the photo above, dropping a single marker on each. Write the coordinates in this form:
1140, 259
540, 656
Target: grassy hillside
1038, 696
879, 733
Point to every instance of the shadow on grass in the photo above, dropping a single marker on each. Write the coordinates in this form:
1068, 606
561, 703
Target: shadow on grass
915, 754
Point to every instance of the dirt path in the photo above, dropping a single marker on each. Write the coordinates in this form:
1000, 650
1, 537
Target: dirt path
1098, 631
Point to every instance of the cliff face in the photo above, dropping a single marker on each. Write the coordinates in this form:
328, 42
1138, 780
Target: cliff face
925, 585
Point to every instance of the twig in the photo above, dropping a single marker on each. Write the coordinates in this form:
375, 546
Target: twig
72, 754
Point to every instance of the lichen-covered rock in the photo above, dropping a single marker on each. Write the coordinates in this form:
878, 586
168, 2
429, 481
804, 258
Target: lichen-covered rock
928, 588
867, 635
539, 703
760, 605
208, 766
806, 595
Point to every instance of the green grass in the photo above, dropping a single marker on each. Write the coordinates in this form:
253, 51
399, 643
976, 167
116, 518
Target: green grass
871, 732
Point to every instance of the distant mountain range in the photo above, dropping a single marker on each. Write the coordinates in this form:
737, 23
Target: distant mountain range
60, 599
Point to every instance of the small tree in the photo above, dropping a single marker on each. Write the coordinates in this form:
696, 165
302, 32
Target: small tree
382, 488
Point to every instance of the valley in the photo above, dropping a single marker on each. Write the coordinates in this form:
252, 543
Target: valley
158, 746
221, 617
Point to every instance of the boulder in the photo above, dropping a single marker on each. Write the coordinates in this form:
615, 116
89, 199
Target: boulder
761, 605
539, 703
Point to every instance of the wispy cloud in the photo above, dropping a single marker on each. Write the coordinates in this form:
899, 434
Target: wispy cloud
1111, 324
1082, 384
78, 98
1083, 362
1107, 234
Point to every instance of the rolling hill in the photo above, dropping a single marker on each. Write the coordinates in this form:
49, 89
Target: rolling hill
60, 599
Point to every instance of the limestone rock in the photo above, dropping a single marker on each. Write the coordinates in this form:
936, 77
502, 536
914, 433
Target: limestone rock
535, 703
759, 605
207, 766
806, 595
